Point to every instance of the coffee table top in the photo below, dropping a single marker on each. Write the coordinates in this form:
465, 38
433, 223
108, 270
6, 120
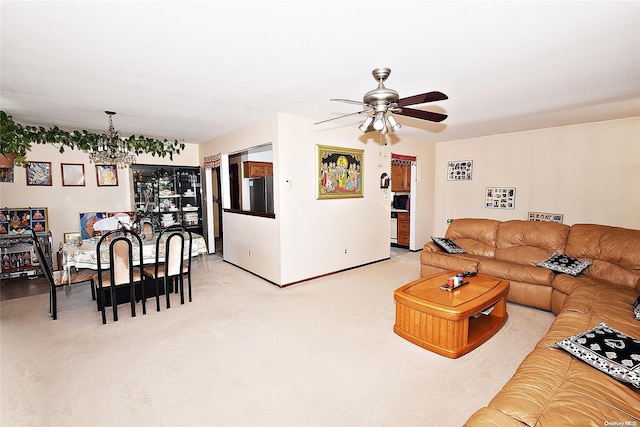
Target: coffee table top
460, 302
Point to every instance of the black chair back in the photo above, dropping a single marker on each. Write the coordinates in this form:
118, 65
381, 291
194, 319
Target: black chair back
48, 273
122, 245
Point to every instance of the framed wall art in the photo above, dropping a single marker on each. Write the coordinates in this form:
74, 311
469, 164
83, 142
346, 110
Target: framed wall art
39, 173
340, 172
545, 217
87, 220
17, 220
107, 175
500, 198
72, 238
72, 174
460, 170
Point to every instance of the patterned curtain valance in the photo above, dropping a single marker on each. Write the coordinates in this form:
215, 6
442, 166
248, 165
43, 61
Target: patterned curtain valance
400, 159
212, 161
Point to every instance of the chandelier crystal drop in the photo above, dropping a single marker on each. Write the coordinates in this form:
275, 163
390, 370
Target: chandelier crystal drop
111, 149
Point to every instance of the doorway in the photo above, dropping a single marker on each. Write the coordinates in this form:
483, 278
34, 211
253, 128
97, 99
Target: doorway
214, 210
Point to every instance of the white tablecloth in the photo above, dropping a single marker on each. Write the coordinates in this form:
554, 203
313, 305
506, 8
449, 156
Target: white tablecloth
85, 256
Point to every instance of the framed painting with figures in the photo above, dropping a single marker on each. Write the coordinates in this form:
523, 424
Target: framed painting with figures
340, 172
107, 175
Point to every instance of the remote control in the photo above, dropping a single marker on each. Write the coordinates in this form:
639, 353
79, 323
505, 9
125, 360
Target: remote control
469, 273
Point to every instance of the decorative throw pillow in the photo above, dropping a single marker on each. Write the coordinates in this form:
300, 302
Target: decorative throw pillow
564, 264
636, 308
447, 245
607, 350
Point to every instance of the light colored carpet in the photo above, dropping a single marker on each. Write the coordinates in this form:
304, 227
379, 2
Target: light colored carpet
246, 353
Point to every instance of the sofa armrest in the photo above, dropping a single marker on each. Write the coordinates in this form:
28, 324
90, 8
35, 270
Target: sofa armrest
431, 247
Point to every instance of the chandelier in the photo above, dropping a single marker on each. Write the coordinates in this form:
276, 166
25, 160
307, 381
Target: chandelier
111, 149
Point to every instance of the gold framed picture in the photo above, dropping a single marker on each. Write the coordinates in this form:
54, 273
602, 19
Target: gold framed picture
340, 172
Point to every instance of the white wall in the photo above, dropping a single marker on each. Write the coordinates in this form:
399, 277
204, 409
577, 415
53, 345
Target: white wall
588, 172
308, 237
66, 203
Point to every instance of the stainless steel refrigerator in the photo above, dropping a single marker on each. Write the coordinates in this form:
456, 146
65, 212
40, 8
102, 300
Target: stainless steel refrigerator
261, 194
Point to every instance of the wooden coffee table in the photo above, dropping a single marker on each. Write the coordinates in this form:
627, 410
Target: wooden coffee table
451, 323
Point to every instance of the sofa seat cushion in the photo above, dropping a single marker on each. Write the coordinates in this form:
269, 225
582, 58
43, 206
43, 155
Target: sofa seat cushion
552, 388
605, 303
519, 272
453, 262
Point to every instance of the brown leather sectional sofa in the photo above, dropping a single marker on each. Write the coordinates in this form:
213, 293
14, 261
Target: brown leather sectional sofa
551, 387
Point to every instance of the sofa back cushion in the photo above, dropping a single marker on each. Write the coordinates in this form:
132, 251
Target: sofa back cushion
476, 236
613, 251
529, 242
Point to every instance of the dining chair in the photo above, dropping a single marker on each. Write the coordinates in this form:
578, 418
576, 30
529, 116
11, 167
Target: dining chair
121, 272
59, 278
171, 265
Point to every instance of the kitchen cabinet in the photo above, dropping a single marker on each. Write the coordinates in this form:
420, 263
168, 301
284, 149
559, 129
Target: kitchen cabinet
400, 177
168, 195
257, 169
404, 228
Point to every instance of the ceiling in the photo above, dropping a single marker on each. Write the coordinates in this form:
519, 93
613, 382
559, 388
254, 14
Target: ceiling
195, 70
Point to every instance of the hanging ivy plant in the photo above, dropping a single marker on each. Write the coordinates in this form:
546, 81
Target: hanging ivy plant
18, 139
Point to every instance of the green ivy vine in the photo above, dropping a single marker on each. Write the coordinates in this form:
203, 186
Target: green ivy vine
18, 139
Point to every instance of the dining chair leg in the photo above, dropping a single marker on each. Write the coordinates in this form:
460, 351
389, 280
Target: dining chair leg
132, 297
189, 284
168, 282
114, 303
144, 298
53, 303
180, 281
157, 295
101, 306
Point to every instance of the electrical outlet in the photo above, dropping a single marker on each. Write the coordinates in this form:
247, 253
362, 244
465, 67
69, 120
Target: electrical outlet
345, 251
249, 253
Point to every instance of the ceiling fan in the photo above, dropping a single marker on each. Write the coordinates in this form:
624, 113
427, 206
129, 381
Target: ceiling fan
382, 101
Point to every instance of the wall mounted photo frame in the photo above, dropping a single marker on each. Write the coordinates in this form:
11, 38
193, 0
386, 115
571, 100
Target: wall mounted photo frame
340, 172
87, 220
545, 217
107, 175
72, 238
72, 174
500, 198
39, 173
460, 170
17, 220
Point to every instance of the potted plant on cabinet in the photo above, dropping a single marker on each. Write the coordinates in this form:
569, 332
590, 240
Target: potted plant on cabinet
16, 142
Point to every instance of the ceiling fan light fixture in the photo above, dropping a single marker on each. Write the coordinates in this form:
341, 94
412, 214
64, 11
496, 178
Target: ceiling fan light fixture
393, 123
365, 125
378, 122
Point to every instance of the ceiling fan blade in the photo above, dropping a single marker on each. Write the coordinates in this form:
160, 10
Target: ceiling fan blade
344, 115
420, 114
422, 98
348, 101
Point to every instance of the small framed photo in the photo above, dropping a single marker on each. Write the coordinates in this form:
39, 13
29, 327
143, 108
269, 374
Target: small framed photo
107, 175
72, 174
72, 238
39, 173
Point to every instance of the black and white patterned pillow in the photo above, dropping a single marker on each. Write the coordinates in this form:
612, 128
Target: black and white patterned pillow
607, 350
564, 264
447, 245
636, 308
